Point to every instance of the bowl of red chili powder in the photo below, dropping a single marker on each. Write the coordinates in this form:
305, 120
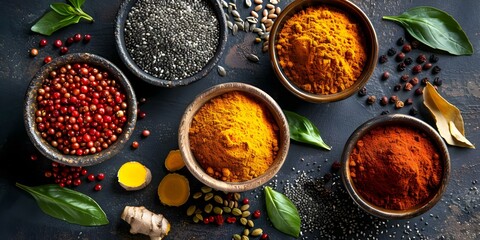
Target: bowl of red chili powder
80, 109
395, 166
323, 51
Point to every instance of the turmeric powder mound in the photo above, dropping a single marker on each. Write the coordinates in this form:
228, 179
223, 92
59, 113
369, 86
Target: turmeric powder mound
321, 50
233, 137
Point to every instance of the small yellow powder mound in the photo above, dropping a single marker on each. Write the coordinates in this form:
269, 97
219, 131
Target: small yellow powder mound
233, 137
321, 50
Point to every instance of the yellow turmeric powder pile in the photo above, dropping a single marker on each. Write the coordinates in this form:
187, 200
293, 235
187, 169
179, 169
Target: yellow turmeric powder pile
233, 137
321, 50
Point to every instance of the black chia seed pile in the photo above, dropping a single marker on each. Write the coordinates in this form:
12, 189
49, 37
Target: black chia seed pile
171, 39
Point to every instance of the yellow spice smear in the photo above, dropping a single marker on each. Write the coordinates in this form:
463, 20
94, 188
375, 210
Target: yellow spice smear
321, 50
233, 137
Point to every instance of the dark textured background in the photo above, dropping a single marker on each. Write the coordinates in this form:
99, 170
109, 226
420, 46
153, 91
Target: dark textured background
456, 216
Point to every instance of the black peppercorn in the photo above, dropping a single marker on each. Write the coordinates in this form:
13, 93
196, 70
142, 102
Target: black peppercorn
385, 112
433, 58
421, 59
397, 87
413, 111
436, 70
383, 59
336, 166
327, 177
362, 92
400, 56
419, 91
384, 101
406, 48
417, 69
401, 67
385, 75
415, 44
408, 86
408, 61
391, 52
401, 41
409, 101
371, 99
414, 81
424, 81
437, 81
393, 99
427, 66
404, 77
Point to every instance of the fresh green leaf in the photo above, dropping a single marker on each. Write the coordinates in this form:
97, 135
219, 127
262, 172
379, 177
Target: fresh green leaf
435, 28
62, 9
66, 204
77, 3
282, 212
303, 130
61, 16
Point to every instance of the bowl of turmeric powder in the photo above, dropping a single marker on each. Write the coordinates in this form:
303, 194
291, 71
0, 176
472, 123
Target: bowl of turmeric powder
234, 137
323, 51
395, 166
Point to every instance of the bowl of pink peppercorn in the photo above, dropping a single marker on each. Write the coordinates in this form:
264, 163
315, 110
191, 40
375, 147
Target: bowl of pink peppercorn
80, 110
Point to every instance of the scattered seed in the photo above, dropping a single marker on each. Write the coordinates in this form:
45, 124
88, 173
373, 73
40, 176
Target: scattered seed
427, 66
246, 26
246, 214
265, 12
227, 209
433, 58
391, 52
253, 58
409, 101
385, 112
257, 232
385, 75
419, 91
199, 216
384, 101
191, 210
224, 4
397, 87
248, 3
236, 237
257, 8
362, 92
246, 232
206, 189
195, 219
404, 77
417, 69
229, 24
243, 221
421, 58
408, 86
406, 48
278, 10
236, 212
221, 71
235, 29
245, 207
401, 41
399, 104
218, 210
393, 99
254, 14
272, 16
413, 111
208, 196
400, 56
383, 59
436, 70
414, 81
371, 99
401, 67
250, 223
258, 2
244, 237
408, 61
231, 204
33, 52
235, 13
208, 208
437, 81
274, 1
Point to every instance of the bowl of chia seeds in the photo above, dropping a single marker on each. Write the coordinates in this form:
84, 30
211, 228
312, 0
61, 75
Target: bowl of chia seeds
170, 43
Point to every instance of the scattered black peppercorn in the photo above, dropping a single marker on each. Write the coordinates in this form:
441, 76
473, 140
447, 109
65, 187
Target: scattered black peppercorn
413, 111
421, 59
401, 67
362, 92
408, 61
383, 59
409, 101
384, 101
427, 66
391, 52
393, 99
436, 70
401, 41
424, 81
433, 58
397, 87
385, 112
371, 99
437, 81
327, 177
419, 91
417, 69
406, 48
404, 77
414, 81
336, 166
385, 75
408, 86
400, 56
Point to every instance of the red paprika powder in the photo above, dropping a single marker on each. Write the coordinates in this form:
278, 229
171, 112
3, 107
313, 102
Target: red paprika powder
395, 167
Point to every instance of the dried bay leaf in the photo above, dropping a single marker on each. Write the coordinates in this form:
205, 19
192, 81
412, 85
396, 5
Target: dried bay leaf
448, 118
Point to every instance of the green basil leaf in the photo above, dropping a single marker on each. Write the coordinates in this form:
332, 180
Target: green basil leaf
436, 29
282, 212
66, 204
303, 130
63, 9
51, 22
77, 3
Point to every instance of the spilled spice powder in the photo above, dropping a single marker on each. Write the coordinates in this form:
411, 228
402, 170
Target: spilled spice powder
395, 167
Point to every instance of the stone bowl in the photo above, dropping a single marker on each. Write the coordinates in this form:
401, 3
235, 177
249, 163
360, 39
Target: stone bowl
371, 49
396, 120
140, 73
30, 106
196, 169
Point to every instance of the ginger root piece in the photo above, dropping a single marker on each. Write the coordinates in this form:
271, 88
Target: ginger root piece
174, 190
133, 176
174, 161
146, 222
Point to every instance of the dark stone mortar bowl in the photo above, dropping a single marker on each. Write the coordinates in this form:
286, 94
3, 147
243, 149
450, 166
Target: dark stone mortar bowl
138, 72
30, 105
